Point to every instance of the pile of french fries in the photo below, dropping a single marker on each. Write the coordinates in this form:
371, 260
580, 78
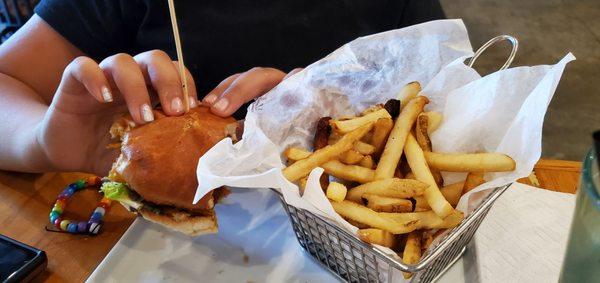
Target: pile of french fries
397, 196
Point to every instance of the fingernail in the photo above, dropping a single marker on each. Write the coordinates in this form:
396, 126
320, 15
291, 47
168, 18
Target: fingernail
210, 99
193, 102
106, 95
176, 105
221, 104
147, 114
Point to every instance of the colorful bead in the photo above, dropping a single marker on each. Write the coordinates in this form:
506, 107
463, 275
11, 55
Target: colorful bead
72, 228
64, 224
70, 191
94, 228
81, 227
94, 223
57, 208
99, 210
54, 215
80, 184
93, 181
57, 222
61, 202
96, 217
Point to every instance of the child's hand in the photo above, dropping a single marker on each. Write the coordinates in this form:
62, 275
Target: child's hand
74, 133
238, 89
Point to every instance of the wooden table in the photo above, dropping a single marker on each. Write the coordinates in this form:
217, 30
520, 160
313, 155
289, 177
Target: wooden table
26, 199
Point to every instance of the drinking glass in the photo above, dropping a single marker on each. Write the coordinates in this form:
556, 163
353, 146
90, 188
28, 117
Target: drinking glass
582, 259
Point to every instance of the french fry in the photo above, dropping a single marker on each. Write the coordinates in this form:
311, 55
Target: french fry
421, 204
437, 176
453, 192
348, 172
367, 137
321, 140
408, 92
377, 237
351, 157
393, 149
473, 180
364, 148
347, 117
412, 250
387, 204
421, 132
302, 184
374, 219
381, 131
367, 162
392, 187
356, 223
429, 236
426, 219
347, 126
470, 162
302, 167
333, 138
426, 239
434, 119
372, 109
416, 161
296, 153
369, 150
336, 191
424, 142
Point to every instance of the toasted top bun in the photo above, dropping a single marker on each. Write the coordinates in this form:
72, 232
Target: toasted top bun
158, 160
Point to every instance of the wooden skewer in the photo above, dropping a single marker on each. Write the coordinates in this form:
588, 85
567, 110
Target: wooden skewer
186, 98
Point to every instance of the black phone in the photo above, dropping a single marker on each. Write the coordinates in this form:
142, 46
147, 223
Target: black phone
19, 262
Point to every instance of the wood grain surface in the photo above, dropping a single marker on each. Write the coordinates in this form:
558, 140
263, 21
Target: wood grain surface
26, 199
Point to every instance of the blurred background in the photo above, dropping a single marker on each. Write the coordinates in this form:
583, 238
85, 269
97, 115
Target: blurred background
546, 29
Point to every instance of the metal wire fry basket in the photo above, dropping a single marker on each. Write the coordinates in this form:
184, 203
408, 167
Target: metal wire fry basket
353, 260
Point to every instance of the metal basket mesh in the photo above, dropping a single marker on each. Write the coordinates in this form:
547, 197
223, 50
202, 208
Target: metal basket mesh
352, 260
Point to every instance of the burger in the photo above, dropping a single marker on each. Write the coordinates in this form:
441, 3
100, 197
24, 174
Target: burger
155, 173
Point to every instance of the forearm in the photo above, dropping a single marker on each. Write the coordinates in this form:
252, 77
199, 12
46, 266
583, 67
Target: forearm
21, 111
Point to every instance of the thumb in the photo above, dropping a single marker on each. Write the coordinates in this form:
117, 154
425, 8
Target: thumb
249, 85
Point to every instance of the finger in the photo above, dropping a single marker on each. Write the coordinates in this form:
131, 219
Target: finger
84, 75
123, 72
191, 85
293, 72
246, 87
158, 70
214, 94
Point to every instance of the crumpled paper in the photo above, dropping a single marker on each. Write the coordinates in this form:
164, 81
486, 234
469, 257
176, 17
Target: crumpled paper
501, 112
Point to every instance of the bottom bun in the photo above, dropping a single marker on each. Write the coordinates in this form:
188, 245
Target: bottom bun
182, 222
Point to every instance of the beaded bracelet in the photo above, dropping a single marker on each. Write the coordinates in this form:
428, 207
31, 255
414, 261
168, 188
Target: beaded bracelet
92, 226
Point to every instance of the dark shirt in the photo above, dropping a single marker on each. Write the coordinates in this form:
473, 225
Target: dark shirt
224, 37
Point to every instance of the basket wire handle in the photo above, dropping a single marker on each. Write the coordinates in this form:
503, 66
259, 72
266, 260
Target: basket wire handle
513, 42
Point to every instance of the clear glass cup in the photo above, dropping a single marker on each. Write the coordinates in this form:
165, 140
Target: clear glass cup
582, 259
